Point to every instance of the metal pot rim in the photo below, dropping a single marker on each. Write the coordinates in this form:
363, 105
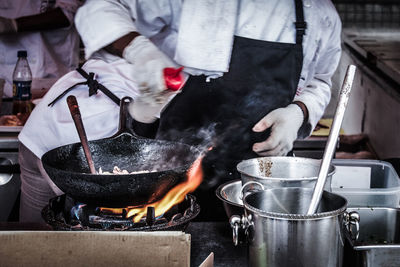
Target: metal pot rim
241, 165
285, 216
219, 190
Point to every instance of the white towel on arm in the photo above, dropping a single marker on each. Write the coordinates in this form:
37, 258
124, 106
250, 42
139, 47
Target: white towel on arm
205, 36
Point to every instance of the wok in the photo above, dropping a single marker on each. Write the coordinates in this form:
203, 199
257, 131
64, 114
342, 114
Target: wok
168, 163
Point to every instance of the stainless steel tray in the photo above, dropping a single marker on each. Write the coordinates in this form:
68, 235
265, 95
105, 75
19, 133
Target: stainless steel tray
378, 243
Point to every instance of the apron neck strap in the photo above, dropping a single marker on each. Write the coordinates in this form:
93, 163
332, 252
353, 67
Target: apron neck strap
93, 87
300, 24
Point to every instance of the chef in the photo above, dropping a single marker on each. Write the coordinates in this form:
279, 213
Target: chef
256, 75
45, 29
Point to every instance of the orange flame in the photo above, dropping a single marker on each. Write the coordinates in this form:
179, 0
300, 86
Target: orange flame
113, 210
174, 196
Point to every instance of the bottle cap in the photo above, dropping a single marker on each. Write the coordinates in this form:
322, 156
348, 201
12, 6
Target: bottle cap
173, 78
22, 53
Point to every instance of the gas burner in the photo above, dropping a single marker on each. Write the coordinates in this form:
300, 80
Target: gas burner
64, 213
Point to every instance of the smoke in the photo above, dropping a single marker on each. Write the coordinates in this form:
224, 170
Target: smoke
216, 142
162, 154
202, 139
223, 119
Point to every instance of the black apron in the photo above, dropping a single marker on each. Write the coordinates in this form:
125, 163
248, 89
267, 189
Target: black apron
262, 76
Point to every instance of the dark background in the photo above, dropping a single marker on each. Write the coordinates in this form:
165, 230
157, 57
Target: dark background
369, 13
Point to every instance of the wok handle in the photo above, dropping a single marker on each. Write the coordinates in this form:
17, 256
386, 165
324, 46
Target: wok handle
124, 113
125, 120
76, 116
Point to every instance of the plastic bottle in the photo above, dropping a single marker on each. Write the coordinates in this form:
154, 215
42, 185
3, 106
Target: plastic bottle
22, 80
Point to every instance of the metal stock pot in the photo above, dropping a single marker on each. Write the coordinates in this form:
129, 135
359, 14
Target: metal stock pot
280, 234
275, 172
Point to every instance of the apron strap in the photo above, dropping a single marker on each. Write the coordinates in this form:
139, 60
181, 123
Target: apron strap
93, 87
63, 94
300, 24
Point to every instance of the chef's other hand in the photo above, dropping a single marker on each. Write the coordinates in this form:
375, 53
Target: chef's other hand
285, 123
149, 66
7, 25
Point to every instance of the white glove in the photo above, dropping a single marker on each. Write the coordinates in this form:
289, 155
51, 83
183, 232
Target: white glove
141, 110
148, 64
7, 25
285, 123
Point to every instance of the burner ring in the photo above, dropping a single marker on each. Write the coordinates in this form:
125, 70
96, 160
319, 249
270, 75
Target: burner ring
54, 216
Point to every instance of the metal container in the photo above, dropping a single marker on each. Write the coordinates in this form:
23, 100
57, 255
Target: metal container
378, 243
281, 234
229, 194
366, 183
274, 172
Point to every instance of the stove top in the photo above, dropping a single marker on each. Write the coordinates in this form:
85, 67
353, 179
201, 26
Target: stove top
64, 213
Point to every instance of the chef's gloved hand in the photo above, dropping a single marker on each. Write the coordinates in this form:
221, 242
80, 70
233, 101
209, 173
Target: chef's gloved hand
8, 25
157, 77
285, 123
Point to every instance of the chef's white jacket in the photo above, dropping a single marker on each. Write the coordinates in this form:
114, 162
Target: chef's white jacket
51, 54
100, 22
51, 127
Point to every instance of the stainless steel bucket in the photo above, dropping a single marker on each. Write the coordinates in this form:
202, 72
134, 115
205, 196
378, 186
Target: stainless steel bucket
274, 172
280, 234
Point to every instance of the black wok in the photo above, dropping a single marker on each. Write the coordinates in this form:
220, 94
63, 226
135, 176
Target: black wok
168, 163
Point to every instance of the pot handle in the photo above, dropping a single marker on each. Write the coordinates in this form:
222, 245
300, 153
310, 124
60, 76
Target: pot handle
352, 219
246, 185
235, 222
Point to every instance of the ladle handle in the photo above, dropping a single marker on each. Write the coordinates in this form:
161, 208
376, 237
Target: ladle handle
332, 139
76, 116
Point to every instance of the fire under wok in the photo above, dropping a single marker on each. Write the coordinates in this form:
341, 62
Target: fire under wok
158, 165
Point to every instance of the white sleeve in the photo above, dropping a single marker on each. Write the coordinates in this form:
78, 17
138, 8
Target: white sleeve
152, 16
69, 7
317, 92
101, 22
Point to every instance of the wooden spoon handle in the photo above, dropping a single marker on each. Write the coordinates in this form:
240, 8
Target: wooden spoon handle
76, 116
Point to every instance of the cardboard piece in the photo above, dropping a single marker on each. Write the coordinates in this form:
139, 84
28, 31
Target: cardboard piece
209, 261
62, 248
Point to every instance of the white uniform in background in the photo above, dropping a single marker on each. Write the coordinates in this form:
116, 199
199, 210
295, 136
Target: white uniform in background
51, 54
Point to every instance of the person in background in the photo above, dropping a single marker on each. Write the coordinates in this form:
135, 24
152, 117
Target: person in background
44, 28
249, 78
